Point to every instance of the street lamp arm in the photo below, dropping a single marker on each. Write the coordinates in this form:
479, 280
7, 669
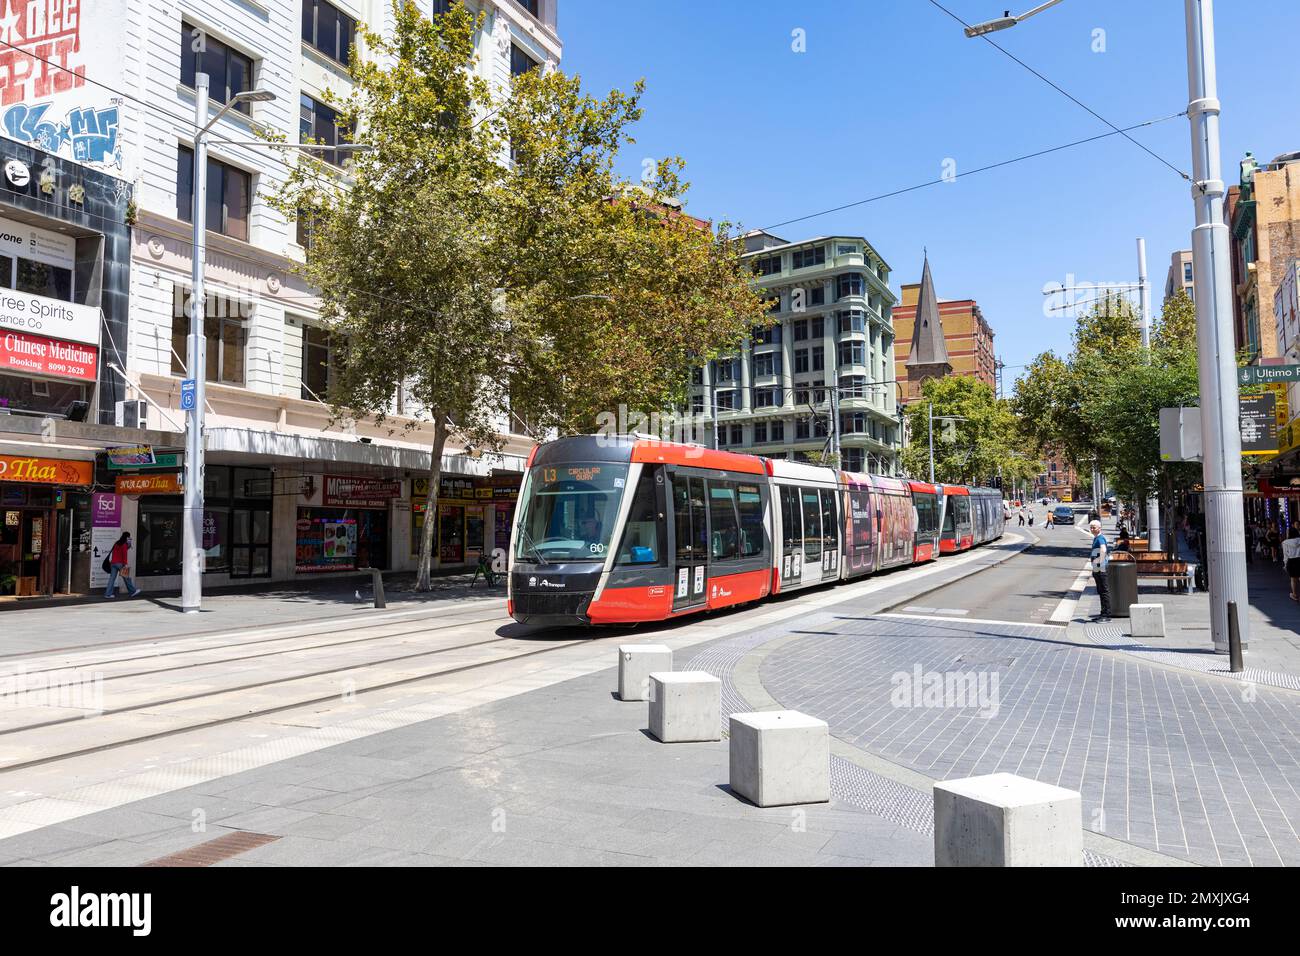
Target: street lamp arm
1006, 21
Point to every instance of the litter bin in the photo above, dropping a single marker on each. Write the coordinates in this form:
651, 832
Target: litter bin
1122, 580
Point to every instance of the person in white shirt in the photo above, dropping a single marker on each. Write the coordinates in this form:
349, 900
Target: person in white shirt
1291, 555
1100, 558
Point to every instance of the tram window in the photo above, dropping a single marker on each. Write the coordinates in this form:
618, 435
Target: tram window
949, 515
830, 520
812, 523
724, 530
643, 536
750, 503
791, 524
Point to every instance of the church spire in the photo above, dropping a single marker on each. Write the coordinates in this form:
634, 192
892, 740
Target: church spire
928, 345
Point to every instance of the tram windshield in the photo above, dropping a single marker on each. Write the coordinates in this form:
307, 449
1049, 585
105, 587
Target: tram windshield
570, 512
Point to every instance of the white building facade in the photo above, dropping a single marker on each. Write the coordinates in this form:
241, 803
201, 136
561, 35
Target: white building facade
290, 493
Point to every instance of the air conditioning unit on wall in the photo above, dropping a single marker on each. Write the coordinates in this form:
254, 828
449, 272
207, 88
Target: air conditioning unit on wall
131, 414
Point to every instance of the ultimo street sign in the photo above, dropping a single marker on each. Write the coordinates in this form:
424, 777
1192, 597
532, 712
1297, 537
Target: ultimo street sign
1254, 374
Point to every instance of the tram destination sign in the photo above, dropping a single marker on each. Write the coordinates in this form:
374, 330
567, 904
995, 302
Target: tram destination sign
1266, 374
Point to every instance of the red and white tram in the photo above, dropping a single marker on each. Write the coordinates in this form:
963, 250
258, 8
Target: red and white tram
616, 530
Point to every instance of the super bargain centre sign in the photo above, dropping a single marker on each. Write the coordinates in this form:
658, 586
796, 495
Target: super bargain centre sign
41, 356
38, 315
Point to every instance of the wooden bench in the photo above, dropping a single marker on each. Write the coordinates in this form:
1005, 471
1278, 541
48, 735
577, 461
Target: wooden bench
1172, 572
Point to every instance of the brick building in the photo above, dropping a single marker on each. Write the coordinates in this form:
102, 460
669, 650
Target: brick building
967, 339
1263, 213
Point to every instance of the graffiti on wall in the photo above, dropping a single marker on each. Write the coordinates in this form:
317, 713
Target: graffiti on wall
88, 134
45, 99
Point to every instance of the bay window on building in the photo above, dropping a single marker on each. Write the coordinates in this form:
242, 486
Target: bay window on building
807, 258
852, 320
725, 400
229, 194
849, 283
767, 363
853, 353
853, 423
851, 459
853, 386
229, 71
767, 397
328, 29
226, 335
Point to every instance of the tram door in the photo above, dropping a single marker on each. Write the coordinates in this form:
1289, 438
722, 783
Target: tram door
791, 534
691, 542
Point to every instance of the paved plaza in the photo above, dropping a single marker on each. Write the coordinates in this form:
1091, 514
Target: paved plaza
439, 733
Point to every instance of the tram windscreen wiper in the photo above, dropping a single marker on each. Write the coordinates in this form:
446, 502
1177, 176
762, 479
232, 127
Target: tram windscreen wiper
528, 543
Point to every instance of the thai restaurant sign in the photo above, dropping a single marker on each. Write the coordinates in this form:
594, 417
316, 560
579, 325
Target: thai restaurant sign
168, 484
46, 471
347, 492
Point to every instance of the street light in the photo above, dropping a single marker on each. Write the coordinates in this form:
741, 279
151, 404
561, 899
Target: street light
1006, 21
1216, 357
193, 553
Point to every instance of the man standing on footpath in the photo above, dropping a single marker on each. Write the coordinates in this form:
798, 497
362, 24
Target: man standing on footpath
1100, 558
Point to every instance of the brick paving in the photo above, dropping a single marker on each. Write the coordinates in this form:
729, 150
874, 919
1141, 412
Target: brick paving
1191, 766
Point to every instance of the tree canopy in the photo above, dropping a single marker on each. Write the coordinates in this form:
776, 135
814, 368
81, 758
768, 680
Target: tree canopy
482, 261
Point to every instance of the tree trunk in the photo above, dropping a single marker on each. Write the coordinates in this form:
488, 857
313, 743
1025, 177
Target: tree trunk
422, 577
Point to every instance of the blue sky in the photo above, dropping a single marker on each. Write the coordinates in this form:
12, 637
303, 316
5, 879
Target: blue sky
887, 90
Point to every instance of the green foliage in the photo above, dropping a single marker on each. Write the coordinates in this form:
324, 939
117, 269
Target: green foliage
483, 258
985, 446
1103, 402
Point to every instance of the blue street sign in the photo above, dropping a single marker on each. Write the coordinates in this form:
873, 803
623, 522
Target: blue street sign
187, 395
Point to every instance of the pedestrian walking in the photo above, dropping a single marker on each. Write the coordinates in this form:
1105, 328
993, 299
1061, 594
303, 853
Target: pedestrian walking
1250, 543
1274, 541
116, 566
1100, 559
1022, 517
1291, 553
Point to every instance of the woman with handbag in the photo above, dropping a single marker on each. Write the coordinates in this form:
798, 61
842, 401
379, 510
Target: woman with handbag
116, 564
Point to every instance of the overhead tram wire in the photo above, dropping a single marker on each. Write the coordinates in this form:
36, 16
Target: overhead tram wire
1071, 97
982, 169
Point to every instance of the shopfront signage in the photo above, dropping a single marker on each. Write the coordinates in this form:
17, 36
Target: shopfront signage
168, 484
36, 355
345, 492
52, 318
170, 461
46, 471
25, 241
105, 528
16, 172
131, 456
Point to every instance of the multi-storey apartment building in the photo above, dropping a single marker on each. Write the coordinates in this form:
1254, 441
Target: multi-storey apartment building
833, 329
290, 491
1180, 275
965, 338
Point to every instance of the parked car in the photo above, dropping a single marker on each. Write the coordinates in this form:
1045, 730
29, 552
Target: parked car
1063, 514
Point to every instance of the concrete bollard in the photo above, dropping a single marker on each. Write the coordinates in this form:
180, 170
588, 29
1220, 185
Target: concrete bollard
635, 664
685, 706
780, 757
1005, 820
1147, 620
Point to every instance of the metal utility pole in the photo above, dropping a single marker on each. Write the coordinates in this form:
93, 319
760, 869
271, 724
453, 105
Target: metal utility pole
192, 553
1152, 503
929, 406
835, 425
1220, 422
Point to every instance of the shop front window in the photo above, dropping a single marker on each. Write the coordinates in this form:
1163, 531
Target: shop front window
236, 526
341, 539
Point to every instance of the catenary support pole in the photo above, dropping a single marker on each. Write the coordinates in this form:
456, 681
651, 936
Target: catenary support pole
196, 359
1220, 424
1152, 503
